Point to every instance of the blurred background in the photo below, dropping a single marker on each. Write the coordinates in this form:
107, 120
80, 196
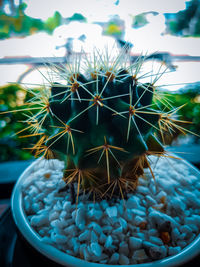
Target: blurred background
35, 33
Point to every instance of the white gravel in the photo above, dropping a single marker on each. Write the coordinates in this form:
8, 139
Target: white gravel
157, 221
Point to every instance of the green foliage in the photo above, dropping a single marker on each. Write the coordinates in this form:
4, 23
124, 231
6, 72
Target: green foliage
19, 24
22, 25
51, 23
139, 21
11, 145
185, 22
189, 99
77, 17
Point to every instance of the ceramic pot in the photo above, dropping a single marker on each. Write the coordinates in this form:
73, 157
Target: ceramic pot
62, 258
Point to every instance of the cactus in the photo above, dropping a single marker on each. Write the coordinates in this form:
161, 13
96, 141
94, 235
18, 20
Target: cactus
100, 120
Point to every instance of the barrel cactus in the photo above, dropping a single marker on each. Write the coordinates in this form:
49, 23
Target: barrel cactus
99, 119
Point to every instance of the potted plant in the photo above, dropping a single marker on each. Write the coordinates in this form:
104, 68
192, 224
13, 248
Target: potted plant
105, 190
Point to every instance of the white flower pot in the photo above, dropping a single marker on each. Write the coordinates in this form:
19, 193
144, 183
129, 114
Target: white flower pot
62, 258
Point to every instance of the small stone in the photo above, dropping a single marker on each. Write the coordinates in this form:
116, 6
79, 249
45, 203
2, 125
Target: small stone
47, 175
71, 230
133, 202
156, 240
143, 225
161, 196
114, 258
96, 214
33, 191
109, 241
140, 256
175, 234
123, 223
165, 236
80, 218
86, 254
96, 249
59, 239
123, 260
135, 243
155, 253
107, 229
102, 238
140, 235
67, 206
143, 190
111, 211
123, 248
39, 220
94, 237
186, 229
181, 244
138, 212
96, 227
53, 215
148, 245
84, 236
165, 227
150, 201
174, 250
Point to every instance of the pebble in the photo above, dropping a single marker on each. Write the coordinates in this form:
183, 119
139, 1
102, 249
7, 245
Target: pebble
123, 260
96, 227
138, 212
39, 220
138, 220
96, 249
140, 256
174, 250
94, 237
59, 239
143, 190
133, 202
95, 214
155, 253
123, 232
150, 201
80, 218
111, 211
123, 248
135, 243
53, 215
114, 258
108, 242
156, 240
85, 236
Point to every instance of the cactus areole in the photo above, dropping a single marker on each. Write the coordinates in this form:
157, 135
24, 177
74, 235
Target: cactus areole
101, 121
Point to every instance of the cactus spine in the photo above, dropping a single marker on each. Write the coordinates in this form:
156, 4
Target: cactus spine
100, 120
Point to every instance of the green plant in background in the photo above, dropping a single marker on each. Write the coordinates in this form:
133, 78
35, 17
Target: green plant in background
185, 22
11, 145
188, 98
140, 20
100, 120
114, 27
21, 25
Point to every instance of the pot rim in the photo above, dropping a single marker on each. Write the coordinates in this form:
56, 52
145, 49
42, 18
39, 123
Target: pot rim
189, 252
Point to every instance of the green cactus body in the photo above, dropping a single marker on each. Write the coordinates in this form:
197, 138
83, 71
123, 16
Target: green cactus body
102, 123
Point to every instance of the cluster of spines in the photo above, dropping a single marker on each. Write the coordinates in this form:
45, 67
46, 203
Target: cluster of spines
101, 123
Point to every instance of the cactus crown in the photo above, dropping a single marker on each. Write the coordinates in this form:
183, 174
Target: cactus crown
100, 120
